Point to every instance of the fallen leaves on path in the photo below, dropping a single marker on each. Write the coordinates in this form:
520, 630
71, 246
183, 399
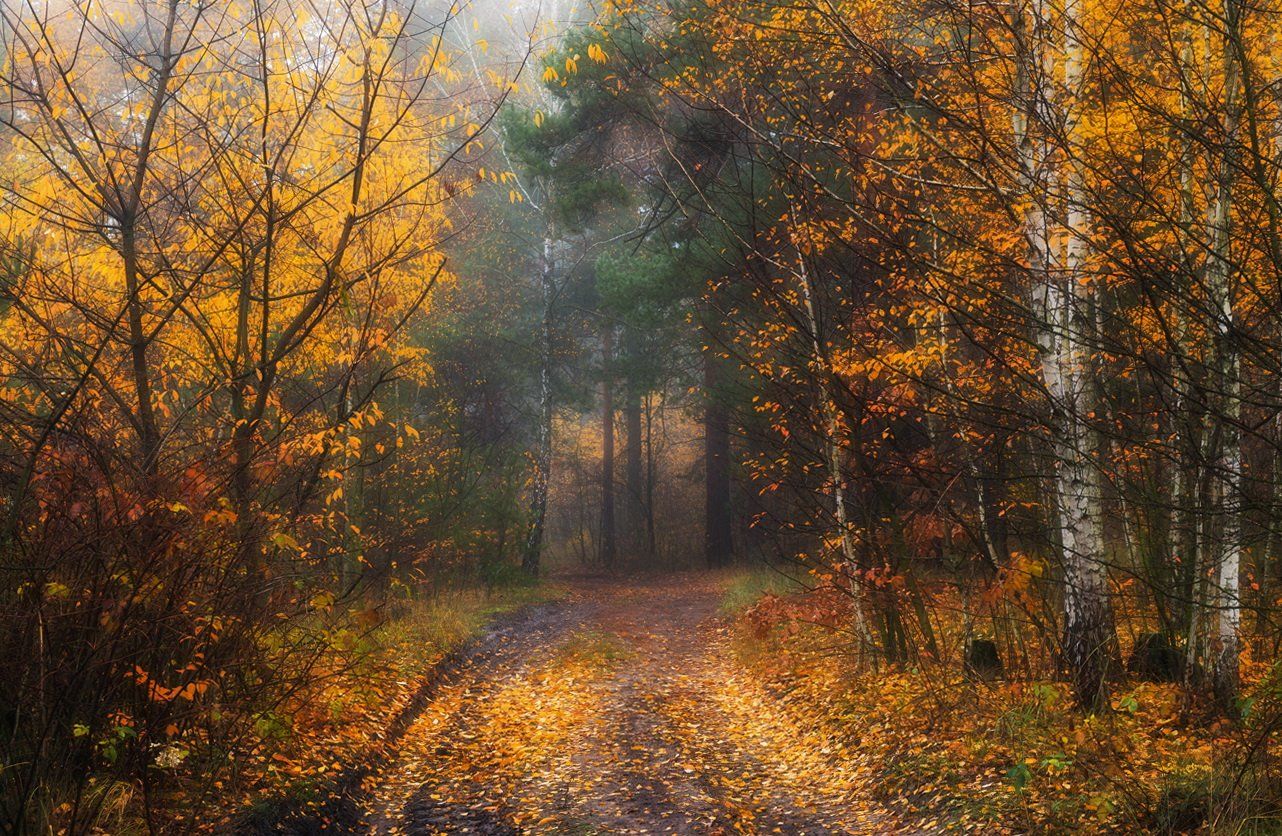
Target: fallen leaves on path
630, 716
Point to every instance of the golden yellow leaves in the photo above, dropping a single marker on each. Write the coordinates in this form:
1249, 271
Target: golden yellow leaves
570, 65
476, 746
284, 541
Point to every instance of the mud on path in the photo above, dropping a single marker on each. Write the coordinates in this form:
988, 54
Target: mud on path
619, 710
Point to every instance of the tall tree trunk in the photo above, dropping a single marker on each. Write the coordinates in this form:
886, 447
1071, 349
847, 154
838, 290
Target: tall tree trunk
1088, 612
609, 536
634, 475
530, 557
1272, 560
129, 211
1265, 151
1061, 302
148, 433
836, 480
1185, 474
1228, 460
349, 568
651, 548
718, 542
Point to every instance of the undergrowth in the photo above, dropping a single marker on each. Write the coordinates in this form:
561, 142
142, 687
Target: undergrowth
949, 752
377, 659
747, 587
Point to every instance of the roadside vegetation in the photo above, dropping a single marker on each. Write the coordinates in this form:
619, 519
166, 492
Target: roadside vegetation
952, 748
329, 326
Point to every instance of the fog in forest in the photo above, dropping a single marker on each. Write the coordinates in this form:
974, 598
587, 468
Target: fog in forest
645, 416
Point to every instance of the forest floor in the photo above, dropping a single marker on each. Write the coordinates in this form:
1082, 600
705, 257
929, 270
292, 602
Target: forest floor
618, 709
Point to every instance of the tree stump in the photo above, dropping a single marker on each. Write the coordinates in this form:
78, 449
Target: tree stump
983, 660
1155, 659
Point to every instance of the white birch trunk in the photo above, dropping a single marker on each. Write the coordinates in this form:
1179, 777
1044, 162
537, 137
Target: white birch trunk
832, 455
1061, 304
1088, 620
1228, 460
543, 443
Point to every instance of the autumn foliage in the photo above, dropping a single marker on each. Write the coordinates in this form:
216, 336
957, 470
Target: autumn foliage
1000, 287
220, 242
966, 315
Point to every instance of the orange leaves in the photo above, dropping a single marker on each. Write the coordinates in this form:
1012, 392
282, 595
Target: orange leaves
1015, 582
157, 692
224, 515
827, 606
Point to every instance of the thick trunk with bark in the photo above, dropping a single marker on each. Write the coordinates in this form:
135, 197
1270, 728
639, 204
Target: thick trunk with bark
148, 432
1228, 459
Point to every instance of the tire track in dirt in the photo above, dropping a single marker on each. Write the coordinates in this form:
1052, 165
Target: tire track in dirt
609, 715
400, 797
672, 773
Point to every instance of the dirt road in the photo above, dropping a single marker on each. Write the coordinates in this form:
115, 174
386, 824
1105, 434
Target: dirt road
618, 710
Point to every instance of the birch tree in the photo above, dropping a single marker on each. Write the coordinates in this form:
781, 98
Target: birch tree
1055, 227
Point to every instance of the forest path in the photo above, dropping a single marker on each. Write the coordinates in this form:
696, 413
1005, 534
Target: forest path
616, 711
